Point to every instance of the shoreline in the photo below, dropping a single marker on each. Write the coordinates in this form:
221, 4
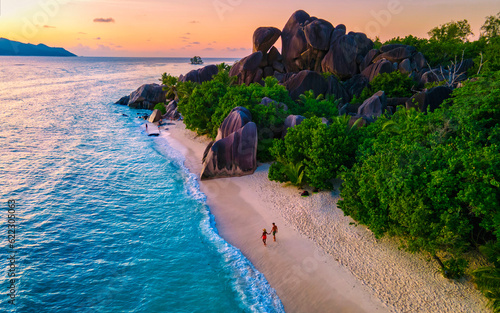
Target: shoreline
320, 262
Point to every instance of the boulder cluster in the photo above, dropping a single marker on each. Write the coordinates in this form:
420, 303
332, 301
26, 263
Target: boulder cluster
264, 61
308, 43
234, 151
311, 47
149, 95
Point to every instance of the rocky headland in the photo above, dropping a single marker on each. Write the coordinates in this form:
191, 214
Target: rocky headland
315, 56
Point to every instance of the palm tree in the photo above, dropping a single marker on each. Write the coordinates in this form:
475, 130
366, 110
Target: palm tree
170, 86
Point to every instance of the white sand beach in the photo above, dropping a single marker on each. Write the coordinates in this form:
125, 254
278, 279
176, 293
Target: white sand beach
321, 262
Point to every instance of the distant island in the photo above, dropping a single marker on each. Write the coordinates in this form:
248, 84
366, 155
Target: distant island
196, 60
16, 48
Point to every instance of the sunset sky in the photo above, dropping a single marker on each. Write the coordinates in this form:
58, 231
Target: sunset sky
213, 28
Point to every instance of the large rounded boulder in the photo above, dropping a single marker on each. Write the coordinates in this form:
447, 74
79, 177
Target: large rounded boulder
236, 119
341, 58
373, 107
429, 100
318, 34
147, 96
368, 59
420, 61
406, 66
304, 81
123, 100
397, 55
381, 66
264, 38
363, 44
200, 75
234, 155
274, 55
337, 89
247, 70
294, 41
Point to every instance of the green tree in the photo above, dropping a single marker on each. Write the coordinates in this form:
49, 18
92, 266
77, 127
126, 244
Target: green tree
404, 183
161, 107
318, 106
315, 150
487, 55
394, 84
185, 89
451, 31
269, 118
197, 110
170, 85
487, 278
491, 27
433, 180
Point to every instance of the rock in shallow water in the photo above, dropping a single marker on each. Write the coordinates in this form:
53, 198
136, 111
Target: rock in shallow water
155, 116
147, 96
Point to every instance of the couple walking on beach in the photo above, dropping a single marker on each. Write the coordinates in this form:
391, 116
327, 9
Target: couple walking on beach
274, 230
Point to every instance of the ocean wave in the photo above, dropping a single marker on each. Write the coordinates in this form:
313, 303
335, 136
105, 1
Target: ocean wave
255, 292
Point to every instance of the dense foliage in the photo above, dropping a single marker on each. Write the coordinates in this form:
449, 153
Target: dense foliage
317, 106
170, 84
491, 27
197, 110
313, 152
392, 167
394, 84
161, 107
448, 43
433, 179
452, 31
250, 97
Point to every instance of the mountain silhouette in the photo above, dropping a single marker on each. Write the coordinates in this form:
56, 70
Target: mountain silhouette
10, 47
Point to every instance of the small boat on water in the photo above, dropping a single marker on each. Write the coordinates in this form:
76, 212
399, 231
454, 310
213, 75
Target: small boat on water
196, 60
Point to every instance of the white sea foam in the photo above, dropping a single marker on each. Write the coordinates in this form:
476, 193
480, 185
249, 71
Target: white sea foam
250, 284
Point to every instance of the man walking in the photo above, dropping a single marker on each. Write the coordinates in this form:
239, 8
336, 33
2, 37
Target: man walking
274, 230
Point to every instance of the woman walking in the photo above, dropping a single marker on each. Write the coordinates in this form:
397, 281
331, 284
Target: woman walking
264, 236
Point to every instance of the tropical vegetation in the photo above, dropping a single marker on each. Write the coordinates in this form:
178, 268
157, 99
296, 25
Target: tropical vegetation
429, 179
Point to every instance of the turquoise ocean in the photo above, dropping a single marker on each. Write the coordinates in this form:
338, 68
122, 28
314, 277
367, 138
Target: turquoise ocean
106, 218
